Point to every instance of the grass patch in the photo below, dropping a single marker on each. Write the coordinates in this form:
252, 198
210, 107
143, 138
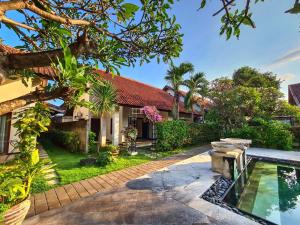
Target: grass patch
69, 169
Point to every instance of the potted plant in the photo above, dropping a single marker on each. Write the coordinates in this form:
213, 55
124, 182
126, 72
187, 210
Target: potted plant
130, 134
16, 180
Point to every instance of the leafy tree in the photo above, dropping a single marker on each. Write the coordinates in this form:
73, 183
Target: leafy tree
251, 77
197, 85
175, 78
248, 95
110, 33
234, 15
104, 100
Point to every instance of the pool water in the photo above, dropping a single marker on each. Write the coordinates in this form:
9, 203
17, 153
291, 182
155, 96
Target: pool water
268, 190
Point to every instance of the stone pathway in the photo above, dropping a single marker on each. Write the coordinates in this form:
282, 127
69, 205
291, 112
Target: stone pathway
62, 196
170, 196
51, 175
275, 153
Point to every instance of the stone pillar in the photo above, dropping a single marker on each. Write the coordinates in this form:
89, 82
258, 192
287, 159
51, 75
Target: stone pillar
121, 136
115, 128
103, 131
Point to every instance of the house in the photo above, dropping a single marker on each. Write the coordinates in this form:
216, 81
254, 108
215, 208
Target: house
131, 96
294, 94
200, 104
13, 89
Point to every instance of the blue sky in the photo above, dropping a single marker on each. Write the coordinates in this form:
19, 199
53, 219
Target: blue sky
273, 46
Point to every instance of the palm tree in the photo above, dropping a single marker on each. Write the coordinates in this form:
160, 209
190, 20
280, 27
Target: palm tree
175, 79
197, 84
104, 100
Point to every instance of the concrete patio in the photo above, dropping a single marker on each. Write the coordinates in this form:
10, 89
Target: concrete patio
167, 196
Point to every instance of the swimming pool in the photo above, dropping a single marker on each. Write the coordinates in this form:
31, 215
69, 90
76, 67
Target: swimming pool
268, 190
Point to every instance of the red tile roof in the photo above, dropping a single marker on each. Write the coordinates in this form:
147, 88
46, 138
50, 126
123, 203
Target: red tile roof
47, 70
294, 94
137, 94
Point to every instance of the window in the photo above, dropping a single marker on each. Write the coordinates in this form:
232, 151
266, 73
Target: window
4, 133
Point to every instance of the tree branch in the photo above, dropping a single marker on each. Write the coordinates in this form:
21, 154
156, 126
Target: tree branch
8, 106
4, 19
27, 60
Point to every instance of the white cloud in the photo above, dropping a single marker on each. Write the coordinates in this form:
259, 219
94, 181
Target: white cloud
290, 56
287, 77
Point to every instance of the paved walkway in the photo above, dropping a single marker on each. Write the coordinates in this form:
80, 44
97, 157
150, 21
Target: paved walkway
170, 196
276, 154
64, 195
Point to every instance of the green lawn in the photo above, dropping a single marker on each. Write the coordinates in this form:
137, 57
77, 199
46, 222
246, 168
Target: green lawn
69, 170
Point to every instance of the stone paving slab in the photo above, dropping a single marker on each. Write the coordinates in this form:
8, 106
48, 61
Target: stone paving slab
274, 153
61, 196
123, 206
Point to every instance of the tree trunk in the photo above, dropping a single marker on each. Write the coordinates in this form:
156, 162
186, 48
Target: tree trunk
100, 134
10, 105
192, 116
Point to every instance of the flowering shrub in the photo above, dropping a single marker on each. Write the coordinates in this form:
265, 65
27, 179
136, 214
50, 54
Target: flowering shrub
152, 113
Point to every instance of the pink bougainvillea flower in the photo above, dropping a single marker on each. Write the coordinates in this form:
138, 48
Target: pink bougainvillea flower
152, 113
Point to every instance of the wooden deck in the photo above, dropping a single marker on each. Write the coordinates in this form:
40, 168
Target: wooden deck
63, 195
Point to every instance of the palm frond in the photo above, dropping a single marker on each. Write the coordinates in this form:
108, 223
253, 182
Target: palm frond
104, 97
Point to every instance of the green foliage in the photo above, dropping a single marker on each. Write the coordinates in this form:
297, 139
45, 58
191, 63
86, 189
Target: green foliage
283, 108
107, 155
266, 133
30, 123
202, 133
251, 77
248, 95
114, 33
69, 169
15, 182
171, 134
72, 77
103, 97
92, 142
39, 184
66, 139
175, 79
197, 85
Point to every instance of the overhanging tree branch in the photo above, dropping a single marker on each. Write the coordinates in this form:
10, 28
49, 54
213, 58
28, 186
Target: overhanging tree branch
22, 101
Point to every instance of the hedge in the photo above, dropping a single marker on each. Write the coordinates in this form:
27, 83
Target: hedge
177, 133
266, 133
203, 133
67, 139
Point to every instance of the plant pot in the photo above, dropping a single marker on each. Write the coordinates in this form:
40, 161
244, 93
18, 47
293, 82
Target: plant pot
16, 214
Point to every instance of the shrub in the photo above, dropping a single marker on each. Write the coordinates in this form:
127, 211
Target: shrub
171, 134
92, 142
107, 154
202, 133
67, 139
266, 133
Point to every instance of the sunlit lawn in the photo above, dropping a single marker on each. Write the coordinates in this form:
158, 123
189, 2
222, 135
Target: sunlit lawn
69, 169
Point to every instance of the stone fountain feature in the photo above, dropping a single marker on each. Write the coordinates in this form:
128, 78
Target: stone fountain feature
229, 156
